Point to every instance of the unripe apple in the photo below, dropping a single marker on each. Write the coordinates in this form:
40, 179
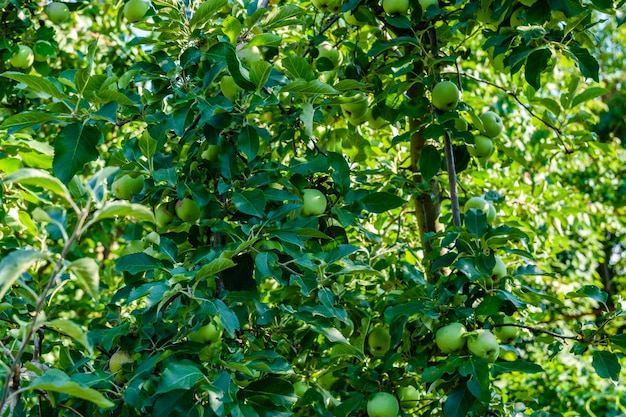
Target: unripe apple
427, 3
330, 52
355, 107
229, 88
332, 6
57, 12
382, 404
209, 333
445, 95
461, 124
314, 202
483, 205
451, 338
23, 58
135, 10
248, 55
187, 210
163, 215
116, 363
211, 153
499, 270
409, 397
396, 7
125, 187
483, 344
492, 124
507, 334
482, 148
379, 341
351, 19
518, 17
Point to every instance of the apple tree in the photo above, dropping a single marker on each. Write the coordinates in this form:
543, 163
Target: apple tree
275, 208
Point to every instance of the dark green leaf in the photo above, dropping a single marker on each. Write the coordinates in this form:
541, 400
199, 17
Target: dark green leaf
459, 402
55, 380
519, 365
430, 162
179, 375
250, 202
587, 64
536, 63
380, 202
73, 148
606, 364
137, 262
476, 222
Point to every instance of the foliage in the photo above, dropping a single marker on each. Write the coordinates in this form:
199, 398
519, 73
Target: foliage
86, 272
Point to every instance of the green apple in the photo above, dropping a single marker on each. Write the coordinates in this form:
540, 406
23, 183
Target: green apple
314, 202
330, 52
492, 124
248, 55
229, 88
499, 270
445, 95
57, 12
507, 334
163, 215
209, 333
483, 344
482, 148
461, 124
396, 7
518, 17
483, 205
117, 362
23, 58
332, 6
187, 210
379, 341
355, 107
351, 19
409, 397
135, 10
382, 404
300, 388
427, 3
211, 153
125, 187
451, 338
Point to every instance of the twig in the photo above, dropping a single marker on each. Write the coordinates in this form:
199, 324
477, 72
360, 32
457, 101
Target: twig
450, 166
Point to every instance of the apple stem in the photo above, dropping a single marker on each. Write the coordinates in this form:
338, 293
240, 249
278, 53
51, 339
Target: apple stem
450, 166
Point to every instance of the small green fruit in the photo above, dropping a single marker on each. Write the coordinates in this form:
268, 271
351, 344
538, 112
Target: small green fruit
507, 334
396, 7
57, 12
379, 341
135, 10
248, 55
125, 187
445, 96
451, 338
427, 3
314, 202
329, 52
23, 58
482, 148
492, 124
332, 6
409, 397
499, 270
483, 205
383, 404
355, 107
117, 362
209, 333
187, 210
483, 344
211, 153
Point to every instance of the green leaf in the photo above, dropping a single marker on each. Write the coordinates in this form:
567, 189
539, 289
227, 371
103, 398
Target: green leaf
536, 63
114, 209
606, 364
215, 267
306, 117
26, 119
270, 392
13, 265
55, 380
250, 202
259, 73
430, 162
309, 87
460, 400
39, 178
515, 366
137, 262
73, 148
340, 172
590, 291
589, 94
619, 340
38, 84
205, 11
179, 375
478, 382
87, 272
266, 39
380, 202
476, 222
587, 64
231, 26
283, 15
248, 141
227, 317
74, 331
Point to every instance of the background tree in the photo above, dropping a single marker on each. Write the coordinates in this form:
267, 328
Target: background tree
248, 209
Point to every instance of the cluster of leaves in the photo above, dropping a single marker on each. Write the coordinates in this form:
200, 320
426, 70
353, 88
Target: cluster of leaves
84, 274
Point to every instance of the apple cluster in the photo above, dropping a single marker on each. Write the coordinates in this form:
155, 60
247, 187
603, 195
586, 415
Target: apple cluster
481, 343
